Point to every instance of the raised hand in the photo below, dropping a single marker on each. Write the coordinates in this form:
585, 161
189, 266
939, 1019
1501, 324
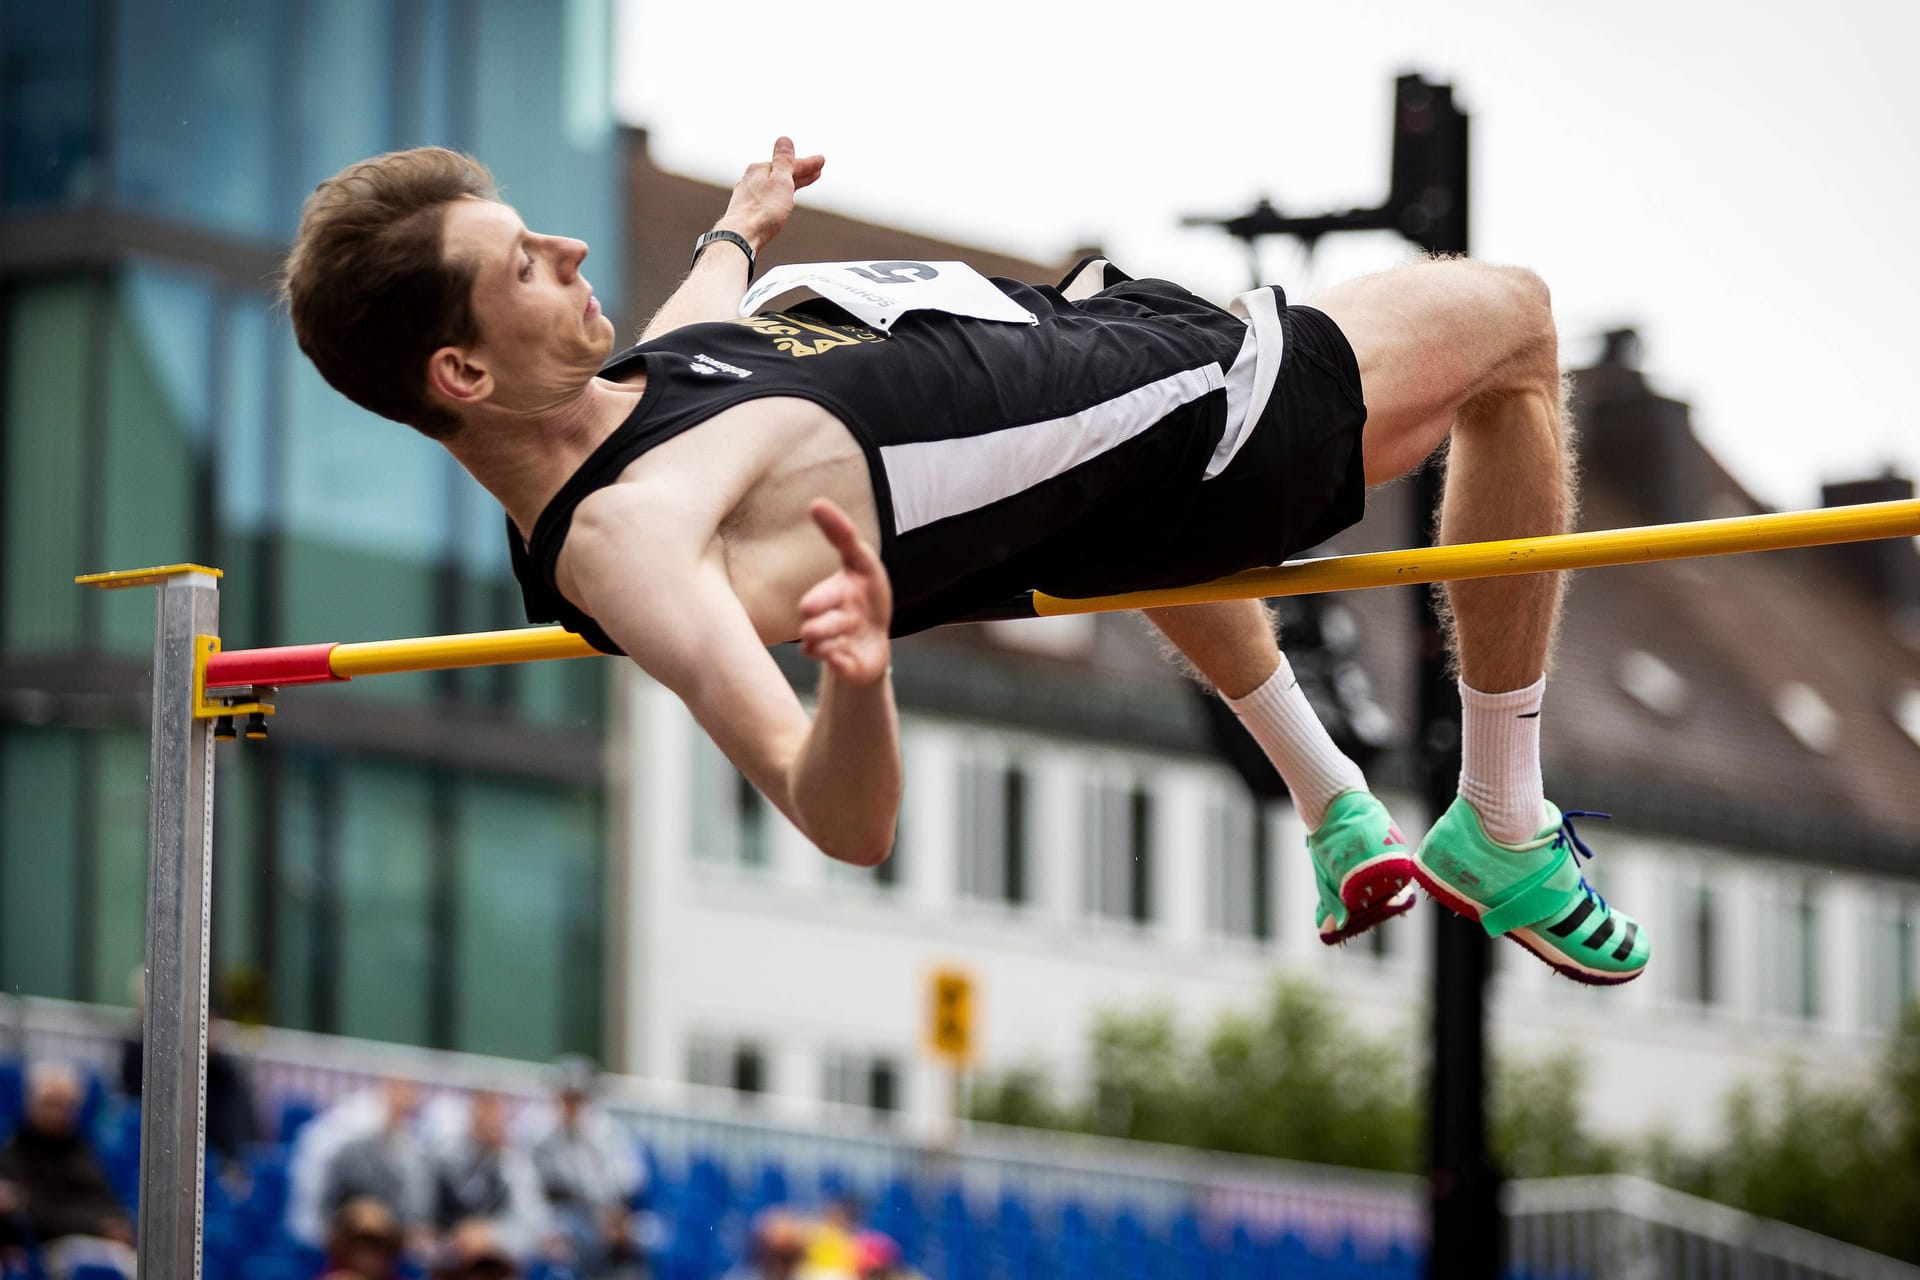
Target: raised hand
844, 617
763, 198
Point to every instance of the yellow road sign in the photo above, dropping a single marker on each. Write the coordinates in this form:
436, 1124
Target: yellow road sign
950, 1031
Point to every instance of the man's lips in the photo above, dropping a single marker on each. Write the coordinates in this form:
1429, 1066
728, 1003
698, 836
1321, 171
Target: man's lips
593, 306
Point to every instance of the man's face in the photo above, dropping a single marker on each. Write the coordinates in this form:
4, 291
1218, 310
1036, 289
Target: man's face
542, 335
53, 1106
489, 1121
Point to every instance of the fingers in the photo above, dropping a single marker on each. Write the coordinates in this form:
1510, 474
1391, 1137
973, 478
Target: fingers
840, 531
806, 170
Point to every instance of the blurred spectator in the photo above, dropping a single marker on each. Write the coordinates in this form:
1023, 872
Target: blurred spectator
364, 1243
230, 1110
830, 1240
876, 1256
472, 1251
590, 1172
478, 1174
54, 1178
364, 1145
774, 1252
13, 1230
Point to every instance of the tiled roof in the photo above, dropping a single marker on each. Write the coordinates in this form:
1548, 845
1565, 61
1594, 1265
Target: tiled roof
1720, 766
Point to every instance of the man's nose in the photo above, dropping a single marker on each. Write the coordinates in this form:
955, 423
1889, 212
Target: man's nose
572, 254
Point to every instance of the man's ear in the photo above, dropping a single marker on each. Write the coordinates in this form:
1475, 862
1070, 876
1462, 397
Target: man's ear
454, 376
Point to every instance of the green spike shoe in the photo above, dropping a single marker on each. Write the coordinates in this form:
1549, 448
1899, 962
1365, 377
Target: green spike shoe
1361, 865
1532, 893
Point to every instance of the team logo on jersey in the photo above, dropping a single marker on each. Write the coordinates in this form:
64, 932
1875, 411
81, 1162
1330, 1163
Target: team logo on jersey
704, 363
798, 337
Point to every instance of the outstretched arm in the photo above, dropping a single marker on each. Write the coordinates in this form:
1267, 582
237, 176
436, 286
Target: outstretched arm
761, 204
835, 776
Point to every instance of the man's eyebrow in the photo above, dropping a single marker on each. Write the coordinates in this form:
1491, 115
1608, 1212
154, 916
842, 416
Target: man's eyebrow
514, 246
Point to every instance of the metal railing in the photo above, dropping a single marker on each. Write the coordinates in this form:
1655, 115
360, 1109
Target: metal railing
1603, 1228
1625, 1228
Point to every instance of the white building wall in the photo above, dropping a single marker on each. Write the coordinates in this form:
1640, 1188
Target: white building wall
806, 958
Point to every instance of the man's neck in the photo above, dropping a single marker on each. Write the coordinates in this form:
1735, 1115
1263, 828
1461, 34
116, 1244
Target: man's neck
522, 459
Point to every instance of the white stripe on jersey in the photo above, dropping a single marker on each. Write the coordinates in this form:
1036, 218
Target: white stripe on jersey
1250, 381
934, 479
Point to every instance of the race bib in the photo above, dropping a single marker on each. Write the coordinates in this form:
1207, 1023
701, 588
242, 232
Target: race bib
881, 292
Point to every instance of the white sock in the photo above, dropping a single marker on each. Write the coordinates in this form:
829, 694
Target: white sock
1282, 721
1500, 760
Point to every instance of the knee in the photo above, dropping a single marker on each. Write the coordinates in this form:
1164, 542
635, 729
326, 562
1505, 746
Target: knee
1524, 307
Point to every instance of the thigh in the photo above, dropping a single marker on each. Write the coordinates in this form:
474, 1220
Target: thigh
1429, 336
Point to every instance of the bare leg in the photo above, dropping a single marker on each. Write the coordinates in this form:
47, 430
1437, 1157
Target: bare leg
1231, 643
1467, 349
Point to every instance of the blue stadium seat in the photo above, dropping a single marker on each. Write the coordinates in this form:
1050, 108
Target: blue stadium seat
1080, 1254
294, 1114
1186, 1252
224, 1235
769, 1187
94, 1271
267, 1167
1020, 1250
275, 1266
13, 1095
897, 1212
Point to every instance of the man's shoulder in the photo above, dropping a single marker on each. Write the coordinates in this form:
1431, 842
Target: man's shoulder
637, 528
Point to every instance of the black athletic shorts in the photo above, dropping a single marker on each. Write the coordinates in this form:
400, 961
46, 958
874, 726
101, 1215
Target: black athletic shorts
1294, 480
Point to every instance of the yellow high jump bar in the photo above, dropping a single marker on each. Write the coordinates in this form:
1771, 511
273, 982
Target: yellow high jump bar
1773, 531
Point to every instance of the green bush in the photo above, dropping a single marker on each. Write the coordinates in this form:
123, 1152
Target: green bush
1295, 1080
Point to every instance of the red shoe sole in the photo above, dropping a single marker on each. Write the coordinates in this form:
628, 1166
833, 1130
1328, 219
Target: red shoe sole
1368, 895
1460, 906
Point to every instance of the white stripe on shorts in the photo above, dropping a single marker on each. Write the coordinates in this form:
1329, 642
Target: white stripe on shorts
934, 479
1250, 381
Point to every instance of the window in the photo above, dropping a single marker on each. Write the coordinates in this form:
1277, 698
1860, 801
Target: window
1239, 868
384, 933
42, 776
1891, 987
730, 817
153, 438
862, 1080
1795, 951
526, 919
73, 861
993, 831
722, 1062
49, 350
49, 134
206, 157
1118, 834
1695, 965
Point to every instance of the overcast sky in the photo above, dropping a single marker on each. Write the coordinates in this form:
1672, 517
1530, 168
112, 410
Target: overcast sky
1740, 187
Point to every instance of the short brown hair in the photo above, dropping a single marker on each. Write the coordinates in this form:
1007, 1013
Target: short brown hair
369, 288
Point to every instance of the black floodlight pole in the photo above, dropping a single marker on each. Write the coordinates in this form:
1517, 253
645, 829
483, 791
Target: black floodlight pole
1427, 204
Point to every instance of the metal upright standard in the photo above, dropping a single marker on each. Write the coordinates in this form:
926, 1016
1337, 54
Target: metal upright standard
173, 1066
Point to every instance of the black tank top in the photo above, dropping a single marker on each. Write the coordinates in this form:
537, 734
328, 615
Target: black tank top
932, 377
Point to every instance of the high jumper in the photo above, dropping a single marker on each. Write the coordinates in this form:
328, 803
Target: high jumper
917, 443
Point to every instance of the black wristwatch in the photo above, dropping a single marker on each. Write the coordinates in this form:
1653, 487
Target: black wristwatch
731, 237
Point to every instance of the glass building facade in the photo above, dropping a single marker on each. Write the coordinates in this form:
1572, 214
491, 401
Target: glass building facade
415, 858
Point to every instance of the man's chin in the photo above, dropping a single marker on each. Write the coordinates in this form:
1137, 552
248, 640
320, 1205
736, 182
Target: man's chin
606, 337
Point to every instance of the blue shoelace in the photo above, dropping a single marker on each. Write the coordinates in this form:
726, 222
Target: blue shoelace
1568, 838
